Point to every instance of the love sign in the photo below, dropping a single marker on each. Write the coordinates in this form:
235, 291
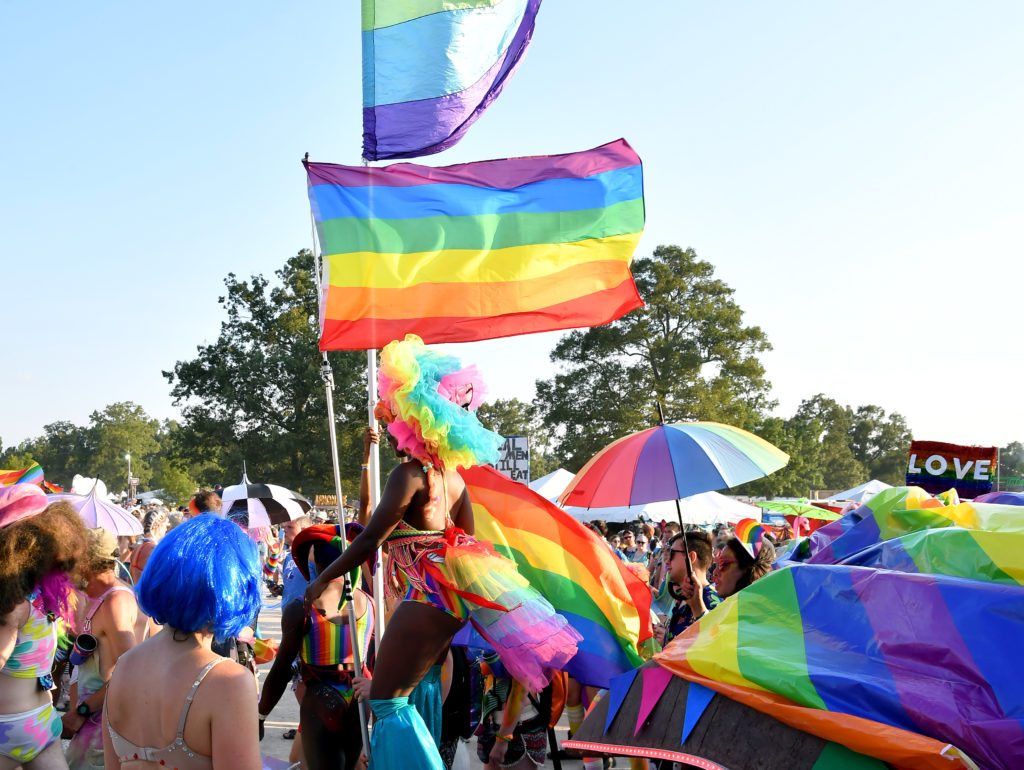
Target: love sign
936, 466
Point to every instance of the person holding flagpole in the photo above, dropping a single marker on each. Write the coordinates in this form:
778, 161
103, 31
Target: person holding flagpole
438, 574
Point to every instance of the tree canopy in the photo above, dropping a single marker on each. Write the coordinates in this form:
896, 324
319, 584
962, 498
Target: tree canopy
687, 349
98, 450
255, 396
833, 447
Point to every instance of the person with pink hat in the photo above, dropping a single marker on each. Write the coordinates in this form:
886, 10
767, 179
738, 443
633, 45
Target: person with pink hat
40, 547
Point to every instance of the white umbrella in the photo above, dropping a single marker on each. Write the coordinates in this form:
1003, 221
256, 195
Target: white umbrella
97, 512
703, 508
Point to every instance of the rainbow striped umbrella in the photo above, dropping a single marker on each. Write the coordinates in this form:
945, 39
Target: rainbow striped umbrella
672, 461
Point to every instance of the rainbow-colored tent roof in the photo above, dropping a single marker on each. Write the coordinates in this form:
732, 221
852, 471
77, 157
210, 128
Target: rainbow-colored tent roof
895, 631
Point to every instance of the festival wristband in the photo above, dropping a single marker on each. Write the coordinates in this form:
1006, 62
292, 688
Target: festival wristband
501, 737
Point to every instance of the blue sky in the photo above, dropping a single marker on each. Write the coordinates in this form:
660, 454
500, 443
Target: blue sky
853, 171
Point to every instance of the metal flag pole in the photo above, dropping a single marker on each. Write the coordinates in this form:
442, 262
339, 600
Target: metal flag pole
327, 375
373, 472
357, 663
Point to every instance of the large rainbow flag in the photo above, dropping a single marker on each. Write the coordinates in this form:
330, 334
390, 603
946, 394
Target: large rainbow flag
572, 567
897, 637
478, 250
430, 69
33, 474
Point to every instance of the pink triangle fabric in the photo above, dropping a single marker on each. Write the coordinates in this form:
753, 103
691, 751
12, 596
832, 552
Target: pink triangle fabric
655, 680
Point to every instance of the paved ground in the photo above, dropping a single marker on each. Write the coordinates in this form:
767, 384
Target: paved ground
286, 715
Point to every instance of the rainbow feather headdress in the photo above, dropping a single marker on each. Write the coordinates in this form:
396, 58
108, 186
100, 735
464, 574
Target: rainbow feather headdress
427, 400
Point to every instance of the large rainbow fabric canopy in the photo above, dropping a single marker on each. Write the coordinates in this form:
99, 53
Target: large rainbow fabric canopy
431, 67
478, 250
901, 648
570, 565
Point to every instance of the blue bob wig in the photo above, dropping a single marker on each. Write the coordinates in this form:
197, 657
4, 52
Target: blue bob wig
204, 574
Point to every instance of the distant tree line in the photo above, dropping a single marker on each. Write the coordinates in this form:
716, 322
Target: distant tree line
255, 397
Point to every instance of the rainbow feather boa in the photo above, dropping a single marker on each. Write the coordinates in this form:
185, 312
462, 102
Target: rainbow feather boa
423, 393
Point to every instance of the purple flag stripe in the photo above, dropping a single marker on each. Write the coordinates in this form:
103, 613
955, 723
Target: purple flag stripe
944, 692
653, 478
506, 173
450, 118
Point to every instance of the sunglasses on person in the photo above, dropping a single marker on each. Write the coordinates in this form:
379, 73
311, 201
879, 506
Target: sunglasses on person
723, 564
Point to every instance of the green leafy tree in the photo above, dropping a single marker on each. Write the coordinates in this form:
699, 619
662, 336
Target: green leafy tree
880, 442
1011, 466
687, 349
512, 417
799, 439
256, 395
117, 430
833, 425
60, 451
16, 458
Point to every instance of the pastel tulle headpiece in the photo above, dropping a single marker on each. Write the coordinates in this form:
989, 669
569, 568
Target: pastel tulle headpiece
427, 398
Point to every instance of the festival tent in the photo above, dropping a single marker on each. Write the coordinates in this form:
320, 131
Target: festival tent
703, 508
863, 492
551, 486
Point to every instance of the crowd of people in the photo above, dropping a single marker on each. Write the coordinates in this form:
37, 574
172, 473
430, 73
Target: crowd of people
158, 636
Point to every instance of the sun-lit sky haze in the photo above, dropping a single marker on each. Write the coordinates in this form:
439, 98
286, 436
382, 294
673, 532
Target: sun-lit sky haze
853, 170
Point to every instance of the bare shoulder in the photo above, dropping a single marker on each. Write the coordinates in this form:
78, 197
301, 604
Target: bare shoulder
233, 677
230, 690
118, 608
408, 472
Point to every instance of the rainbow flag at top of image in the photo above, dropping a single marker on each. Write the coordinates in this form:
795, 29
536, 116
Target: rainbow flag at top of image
895, 630
431, 67
478, 250
572, 567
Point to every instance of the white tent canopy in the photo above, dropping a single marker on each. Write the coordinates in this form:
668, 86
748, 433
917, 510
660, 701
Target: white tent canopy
865, 491
551, 486
705, 508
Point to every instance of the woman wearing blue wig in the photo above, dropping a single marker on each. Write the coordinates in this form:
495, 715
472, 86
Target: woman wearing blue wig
172, 701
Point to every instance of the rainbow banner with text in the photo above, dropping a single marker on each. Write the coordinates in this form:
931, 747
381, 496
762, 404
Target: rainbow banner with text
936, 466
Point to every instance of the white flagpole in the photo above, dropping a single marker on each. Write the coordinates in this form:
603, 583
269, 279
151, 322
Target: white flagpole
328, 377
373, 472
